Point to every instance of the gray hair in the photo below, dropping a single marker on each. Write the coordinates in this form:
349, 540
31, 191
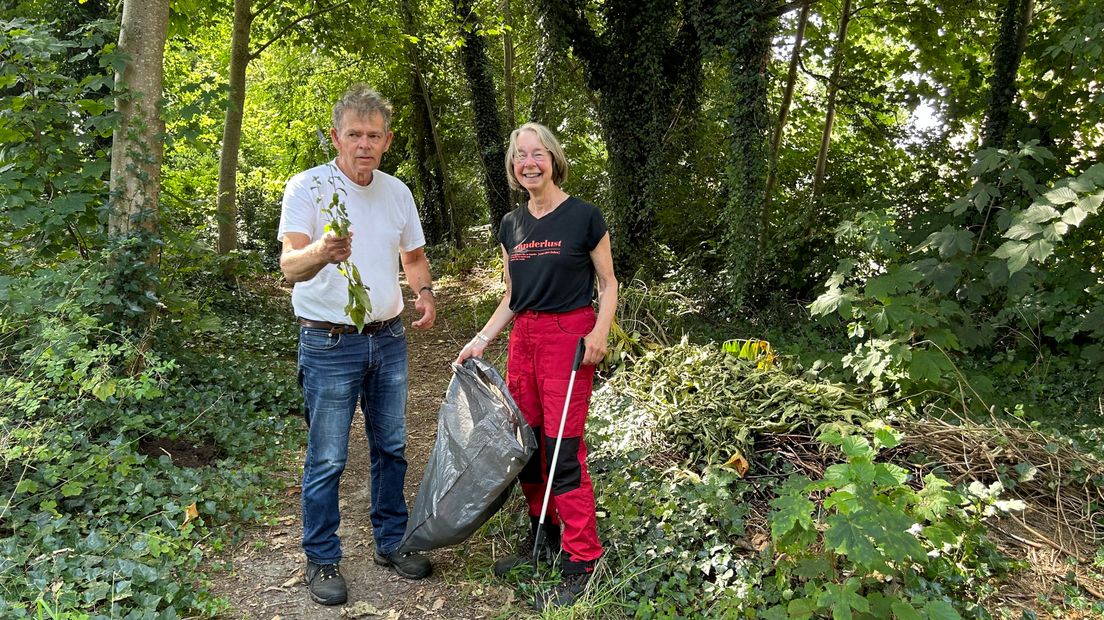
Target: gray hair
548, 139
363, 101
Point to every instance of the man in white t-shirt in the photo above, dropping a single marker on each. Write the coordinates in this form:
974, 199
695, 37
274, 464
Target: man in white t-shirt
340, 365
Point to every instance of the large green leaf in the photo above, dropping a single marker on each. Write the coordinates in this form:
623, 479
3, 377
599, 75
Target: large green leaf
847, 537
927, 365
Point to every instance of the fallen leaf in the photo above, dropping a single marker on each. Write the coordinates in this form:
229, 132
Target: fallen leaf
191, 513
439, 603
360, 609
295, 579
293, 490
738, 463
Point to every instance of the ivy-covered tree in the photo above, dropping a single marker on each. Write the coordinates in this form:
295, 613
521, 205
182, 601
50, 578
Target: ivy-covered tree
488, 124
645, 64
136, 149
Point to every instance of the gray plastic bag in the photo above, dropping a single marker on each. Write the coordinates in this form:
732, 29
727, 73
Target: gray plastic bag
483, 442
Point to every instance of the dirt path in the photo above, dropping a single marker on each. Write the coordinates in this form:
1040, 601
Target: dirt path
265, 576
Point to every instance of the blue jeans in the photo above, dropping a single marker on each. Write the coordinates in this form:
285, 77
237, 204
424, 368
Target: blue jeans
335, 372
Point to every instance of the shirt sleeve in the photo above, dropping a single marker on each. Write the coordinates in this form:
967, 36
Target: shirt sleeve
597, 228
503, 232
412, 236
298, 212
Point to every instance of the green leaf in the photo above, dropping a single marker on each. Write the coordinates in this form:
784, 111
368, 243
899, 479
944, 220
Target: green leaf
832, 300
855, 446
792, 511
897, 279
1023, 231
72, 488
889, 475
887, 437
847, 537
941, 610
934, 499
927, 365
842, 598
902, 610
801, 608
1058, 196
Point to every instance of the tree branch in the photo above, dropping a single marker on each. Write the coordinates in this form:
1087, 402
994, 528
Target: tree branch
567, 23
294, 23
786, 7
264, 7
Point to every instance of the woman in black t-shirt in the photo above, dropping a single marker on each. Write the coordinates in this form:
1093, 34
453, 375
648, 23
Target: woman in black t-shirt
554, 249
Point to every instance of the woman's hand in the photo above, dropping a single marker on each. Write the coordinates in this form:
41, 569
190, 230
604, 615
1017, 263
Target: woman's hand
596, 347
475, 348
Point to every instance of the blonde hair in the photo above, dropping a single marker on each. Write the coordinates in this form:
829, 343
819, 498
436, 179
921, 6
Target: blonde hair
549, 141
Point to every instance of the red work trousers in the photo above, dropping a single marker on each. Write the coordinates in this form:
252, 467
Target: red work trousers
542, 348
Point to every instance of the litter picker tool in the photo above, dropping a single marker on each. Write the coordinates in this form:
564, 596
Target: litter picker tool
580, 350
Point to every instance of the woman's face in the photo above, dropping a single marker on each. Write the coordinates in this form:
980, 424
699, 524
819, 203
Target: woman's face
532, 163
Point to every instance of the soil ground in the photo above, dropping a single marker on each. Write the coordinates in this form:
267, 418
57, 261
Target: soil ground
264, 580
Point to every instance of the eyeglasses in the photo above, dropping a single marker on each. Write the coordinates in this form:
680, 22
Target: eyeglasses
538, 156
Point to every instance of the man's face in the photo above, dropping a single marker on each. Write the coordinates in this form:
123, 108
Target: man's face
361, 142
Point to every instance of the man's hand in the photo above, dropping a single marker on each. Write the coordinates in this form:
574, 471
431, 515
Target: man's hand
335, 249
302, 259
427, 306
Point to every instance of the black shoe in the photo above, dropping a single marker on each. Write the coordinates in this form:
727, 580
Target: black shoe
524, 552
569, 590
409, 564
326, 584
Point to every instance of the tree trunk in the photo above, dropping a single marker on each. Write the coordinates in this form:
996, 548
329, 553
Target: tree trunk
437, 195
227, 212
509, 84
783, 112
833, 88
1011, 39
488, 125
645, 73
136, 148
747, 158
429, 172
544, 74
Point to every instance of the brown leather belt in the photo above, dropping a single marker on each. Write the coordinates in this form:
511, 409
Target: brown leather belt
340, 328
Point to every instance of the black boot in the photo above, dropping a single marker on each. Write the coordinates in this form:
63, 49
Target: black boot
325, 584
574, 579
524, 552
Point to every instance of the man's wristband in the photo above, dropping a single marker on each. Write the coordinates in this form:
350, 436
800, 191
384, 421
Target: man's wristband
480, 337
428, 288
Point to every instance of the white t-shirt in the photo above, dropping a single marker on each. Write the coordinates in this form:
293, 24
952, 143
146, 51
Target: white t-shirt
383, 220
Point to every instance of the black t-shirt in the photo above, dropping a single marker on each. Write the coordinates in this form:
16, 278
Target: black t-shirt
550, 266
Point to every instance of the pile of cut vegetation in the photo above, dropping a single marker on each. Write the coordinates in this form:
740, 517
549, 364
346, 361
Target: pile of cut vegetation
731, 487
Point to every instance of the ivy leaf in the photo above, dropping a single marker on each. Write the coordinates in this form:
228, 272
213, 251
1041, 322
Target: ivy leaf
941, 610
